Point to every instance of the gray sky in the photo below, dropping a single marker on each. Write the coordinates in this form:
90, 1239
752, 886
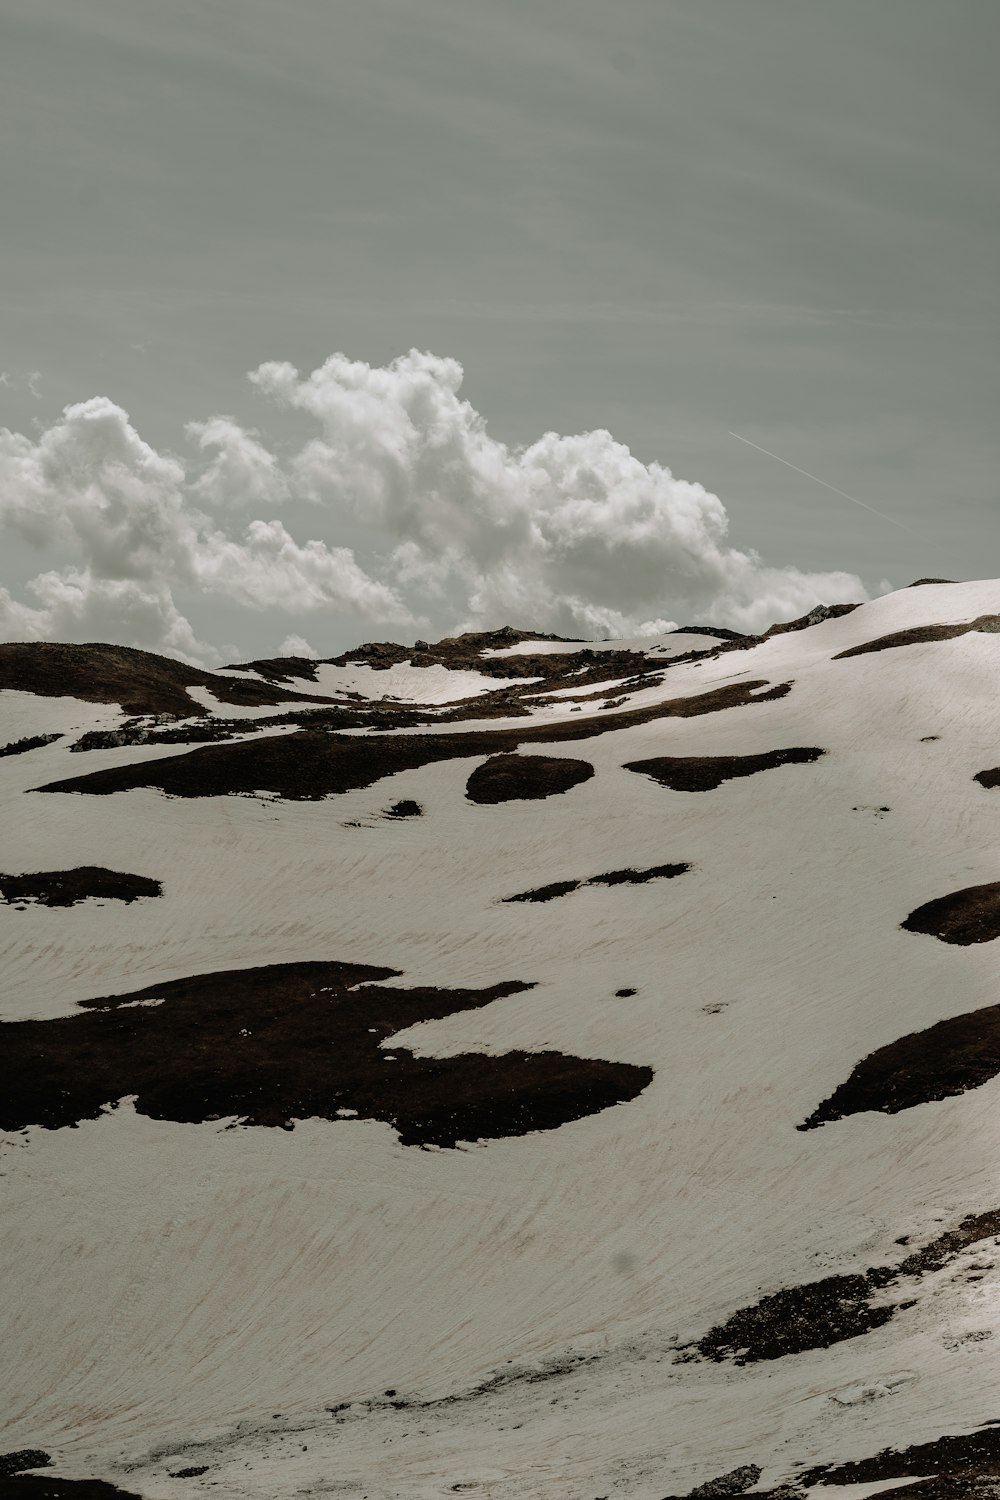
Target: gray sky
667, 218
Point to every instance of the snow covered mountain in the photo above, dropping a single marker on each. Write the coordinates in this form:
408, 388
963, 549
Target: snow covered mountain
506, 1067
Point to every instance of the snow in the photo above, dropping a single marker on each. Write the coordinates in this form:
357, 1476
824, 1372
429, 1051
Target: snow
170, 1287
673, 643
433, 684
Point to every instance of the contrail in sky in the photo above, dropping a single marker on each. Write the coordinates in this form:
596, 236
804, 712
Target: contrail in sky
833, 487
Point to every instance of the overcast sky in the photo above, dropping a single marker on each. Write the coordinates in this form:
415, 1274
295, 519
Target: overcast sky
658, 221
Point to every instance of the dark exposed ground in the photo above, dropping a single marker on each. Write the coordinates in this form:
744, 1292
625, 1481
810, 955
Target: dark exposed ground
703, 773
968, 1459
547, 892
817, 1314
971, 915
812, 1316
947, 1058
67, 887
406, 808
735, 1482
638, 877
141, 682
15, 1484
536, 672
965, 1466
144, 683
510, 778
48, 1487
279, 668
30, 742
309, 764
920, 634
610, 877
291, 1042
988, 779
814, 617
17, 1461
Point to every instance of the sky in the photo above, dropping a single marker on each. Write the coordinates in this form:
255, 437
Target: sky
335, 320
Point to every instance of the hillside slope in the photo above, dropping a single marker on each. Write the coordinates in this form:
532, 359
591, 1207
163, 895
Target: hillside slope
508, 1067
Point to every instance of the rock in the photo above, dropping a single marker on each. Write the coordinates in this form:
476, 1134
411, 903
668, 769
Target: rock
733, 1483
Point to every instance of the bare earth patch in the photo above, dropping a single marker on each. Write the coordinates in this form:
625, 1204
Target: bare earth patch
30, 742
510, 778
703, 773
280, 668
966, 1464
611, 877
289, 1042
547, 892
86, 882
968, 916
46, 1487
948, 1058
311, 764
406, 808
920, 634
820, 1313
140, 681
15, 1484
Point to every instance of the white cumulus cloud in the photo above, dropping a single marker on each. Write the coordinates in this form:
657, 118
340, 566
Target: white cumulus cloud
448, 527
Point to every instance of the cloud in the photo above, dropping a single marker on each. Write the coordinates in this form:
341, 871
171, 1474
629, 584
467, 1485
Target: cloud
269, 569
449, 528
297, 645
242, 471
73, 605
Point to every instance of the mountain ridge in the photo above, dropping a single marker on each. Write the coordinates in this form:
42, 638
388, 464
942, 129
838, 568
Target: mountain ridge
630, 1269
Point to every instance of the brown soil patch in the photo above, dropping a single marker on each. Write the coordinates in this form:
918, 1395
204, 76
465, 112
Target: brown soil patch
988, 779
611, 877
585, 667
163, 730
313, 764
719, 631
138, 732
638, 877
279, 668
294, 1042
23, 1458
47, 1487
820, 1313
464, 653
404, 809
67, 887
967, 1459
141, 682
812, 1316
736, 1482
920, 634
814, 617
30, 742
948, 1058
15, 1484
968, 916
517, 778
547, 892
703, 773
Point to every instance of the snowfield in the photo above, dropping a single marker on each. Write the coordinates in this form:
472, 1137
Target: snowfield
567, 1303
